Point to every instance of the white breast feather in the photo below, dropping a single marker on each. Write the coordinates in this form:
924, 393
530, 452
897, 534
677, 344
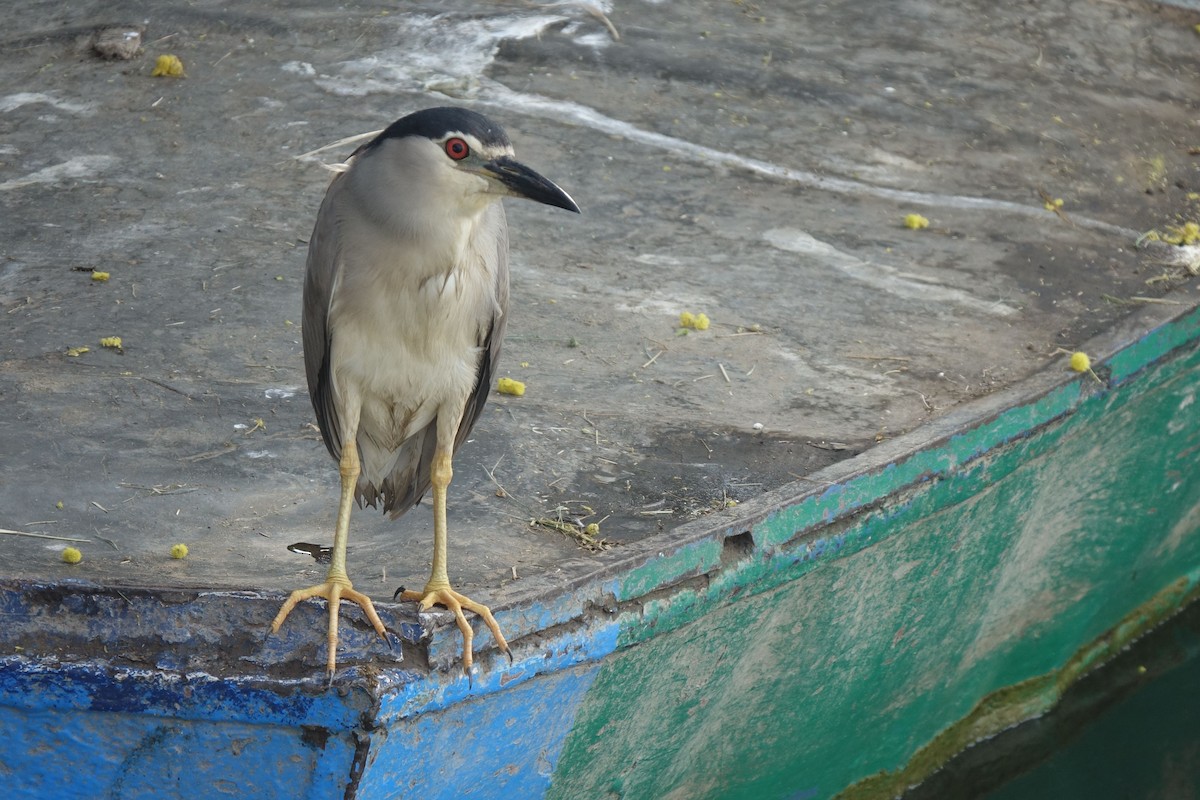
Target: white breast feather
410, 350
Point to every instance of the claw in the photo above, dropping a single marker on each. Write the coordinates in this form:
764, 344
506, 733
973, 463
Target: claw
456, 603
333, 593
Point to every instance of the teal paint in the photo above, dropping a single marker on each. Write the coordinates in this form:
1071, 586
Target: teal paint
897, 622
691, 559
1128, 361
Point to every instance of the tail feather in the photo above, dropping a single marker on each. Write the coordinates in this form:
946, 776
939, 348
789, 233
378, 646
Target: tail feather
405, 483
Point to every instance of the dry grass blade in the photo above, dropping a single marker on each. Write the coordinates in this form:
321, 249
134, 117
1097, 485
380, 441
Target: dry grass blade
41, 536
577, 531
574, 529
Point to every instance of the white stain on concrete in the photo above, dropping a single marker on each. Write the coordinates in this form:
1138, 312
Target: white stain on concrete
881, 276
447, 55
435, 53
500, 96
74, 169
12, 102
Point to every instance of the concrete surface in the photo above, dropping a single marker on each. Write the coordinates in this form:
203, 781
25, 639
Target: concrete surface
748, 161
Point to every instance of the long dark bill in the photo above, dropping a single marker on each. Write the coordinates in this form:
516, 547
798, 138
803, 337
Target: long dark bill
524, 182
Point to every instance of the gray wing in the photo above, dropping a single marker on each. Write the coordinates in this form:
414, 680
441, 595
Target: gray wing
492, 334
407, 483
319, 278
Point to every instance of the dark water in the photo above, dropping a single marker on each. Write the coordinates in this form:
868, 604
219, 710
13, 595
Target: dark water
1130, 731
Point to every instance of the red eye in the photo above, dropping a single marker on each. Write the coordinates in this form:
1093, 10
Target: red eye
457, 149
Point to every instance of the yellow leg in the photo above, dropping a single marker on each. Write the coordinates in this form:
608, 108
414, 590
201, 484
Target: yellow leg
337, 586
438, 589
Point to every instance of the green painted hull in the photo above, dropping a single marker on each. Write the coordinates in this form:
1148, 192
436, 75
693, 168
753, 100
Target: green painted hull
878, 628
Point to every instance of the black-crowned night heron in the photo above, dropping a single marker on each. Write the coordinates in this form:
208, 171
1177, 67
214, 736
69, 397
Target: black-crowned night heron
405, 299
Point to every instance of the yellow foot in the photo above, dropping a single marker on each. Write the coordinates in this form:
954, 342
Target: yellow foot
334, 593
457, 603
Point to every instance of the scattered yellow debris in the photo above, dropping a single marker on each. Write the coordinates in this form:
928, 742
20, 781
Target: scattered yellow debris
167, 66
510, 386
71, 555
915, 222
179, 550
76, 352
97, 275
1080, 361
592, 529
699, 322
59, 505
1053, 205
1187, 233
111, 341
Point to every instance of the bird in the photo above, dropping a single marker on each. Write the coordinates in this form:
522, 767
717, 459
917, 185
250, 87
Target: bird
405, 304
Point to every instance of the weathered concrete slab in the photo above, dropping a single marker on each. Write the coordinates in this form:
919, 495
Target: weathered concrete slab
752, 163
